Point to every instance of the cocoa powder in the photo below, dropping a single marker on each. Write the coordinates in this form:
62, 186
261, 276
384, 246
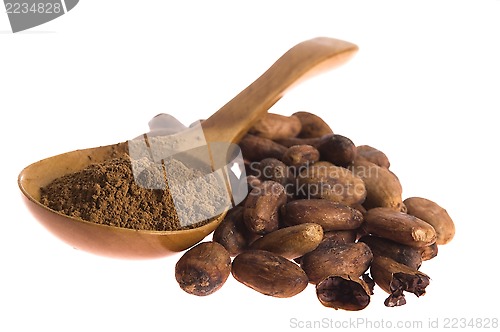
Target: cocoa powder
107, 193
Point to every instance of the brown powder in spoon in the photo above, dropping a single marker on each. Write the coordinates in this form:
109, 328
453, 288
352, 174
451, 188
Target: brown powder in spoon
107, 193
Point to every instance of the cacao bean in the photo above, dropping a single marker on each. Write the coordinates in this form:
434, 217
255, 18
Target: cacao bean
275, 170
395, 278
383, 188
340, 237
332, 183
343, 292
429, 252
399, 227
291, 242
276, 126
373, 155
232, 233
409, 256
291, 141
254, 148
203, 269
337, 149
312, 125
268, 273
330, 215
262, 205
351, 259
434, 215
299, 156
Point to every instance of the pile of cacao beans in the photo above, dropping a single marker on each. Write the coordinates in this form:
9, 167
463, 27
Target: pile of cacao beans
321, 211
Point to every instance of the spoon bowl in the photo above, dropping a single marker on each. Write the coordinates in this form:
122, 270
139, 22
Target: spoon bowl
96, 238
228, 124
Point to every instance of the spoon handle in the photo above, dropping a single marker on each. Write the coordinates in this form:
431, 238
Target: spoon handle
302, 61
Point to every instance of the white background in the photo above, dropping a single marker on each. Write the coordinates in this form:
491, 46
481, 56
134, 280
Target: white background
424, 88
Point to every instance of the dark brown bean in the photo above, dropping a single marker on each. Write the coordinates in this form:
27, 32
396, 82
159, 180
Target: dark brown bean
337, 149
340, 237
275, 170
343, 292
253, 181
232, 233
409, 256
332, 183
383, 188
254, 148
395, 278
299, 156
312, 125
330, 215
433, 214
291, 242
262, 205
276, 126
373, 155
268, 273
291, 141
399, 227
350, 259
429, 252
203, 269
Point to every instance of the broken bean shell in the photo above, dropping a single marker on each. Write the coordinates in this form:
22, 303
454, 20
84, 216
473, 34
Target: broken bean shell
343, 292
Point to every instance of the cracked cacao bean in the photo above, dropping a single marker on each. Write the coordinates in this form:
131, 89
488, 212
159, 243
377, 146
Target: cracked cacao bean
395, 278
343, 292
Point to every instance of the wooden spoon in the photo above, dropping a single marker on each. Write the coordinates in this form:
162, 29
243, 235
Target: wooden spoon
228, 124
